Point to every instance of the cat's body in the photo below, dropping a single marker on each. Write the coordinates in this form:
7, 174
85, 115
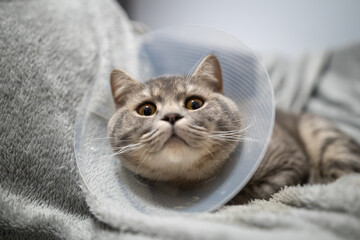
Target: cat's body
304, 148
182, 129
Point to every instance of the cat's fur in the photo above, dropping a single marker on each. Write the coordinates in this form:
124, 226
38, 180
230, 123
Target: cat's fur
303, 148
195, 154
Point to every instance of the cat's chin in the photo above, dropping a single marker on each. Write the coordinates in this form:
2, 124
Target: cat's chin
177, 152
174, 161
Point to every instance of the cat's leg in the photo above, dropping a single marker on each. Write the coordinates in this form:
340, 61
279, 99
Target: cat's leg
284, 164
332, 153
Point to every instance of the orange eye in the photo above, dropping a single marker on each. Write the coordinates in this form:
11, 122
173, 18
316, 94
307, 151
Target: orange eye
194, 103
147, 109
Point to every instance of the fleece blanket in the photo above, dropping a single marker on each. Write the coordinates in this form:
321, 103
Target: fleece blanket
50, 53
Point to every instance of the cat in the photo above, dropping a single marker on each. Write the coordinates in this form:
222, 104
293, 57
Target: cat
183, 129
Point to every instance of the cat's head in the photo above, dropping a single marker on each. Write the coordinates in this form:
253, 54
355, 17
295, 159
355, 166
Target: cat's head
174, 128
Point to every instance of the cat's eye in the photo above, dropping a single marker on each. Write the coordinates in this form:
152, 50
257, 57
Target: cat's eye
193, 103
147, 109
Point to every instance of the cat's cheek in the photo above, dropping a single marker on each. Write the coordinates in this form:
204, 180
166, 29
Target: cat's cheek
207, 116
197, 119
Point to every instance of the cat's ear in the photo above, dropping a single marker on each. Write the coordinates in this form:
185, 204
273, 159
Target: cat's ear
121, 84
209, 70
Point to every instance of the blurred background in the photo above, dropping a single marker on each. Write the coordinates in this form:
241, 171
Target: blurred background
281, 26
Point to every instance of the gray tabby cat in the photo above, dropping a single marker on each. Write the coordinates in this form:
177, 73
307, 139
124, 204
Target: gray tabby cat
183, 129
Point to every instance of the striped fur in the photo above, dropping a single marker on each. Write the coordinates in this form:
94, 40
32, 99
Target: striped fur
304, 149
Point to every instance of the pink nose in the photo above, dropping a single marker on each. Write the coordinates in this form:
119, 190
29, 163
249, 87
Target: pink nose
172, 118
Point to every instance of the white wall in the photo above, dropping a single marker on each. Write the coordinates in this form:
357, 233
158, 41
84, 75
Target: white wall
284, 26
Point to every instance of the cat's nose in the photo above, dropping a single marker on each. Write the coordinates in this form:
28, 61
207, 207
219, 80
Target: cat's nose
172, 117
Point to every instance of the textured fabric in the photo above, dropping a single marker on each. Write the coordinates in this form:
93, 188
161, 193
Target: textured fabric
50, 53
326, 83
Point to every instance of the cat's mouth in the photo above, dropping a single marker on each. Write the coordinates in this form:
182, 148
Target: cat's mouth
174, 139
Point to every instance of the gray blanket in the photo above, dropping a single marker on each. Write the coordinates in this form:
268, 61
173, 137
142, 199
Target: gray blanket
50, 51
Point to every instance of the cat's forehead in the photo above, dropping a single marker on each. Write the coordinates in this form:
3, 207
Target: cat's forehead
165, 87
167, 84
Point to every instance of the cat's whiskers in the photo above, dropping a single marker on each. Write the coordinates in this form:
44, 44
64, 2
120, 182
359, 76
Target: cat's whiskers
129, 148
206, 148
197, 128
151, 139
227, 134
215, 142
229, 138
196, 133
93, 140
144, 157
125, 149
233, 135
149, 136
